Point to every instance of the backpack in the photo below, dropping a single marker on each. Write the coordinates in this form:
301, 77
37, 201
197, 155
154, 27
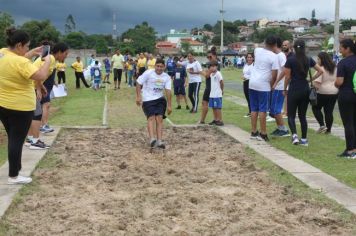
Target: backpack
96, 72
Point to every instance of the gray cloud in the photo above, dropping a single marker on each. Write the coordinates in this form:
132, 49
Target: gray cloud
96, 16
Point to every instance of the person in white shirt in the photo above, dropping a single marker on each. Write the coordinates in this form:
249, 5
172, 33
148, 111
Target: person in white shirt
246, 74
263, 76
194, 70
150, 89
277, 95
216, 93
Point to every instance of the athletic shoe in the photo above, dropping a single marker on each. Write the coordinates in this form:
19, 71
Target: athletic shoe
153, 143
321, 130
187, 107
347, 155
39, 145
27, 142
213, 122
19, 180
179, 107
270, 119
219, 123
262, 137
254, 135
247, 115
275, 132
304, 143
282, 133
161, 145
46, 129
295, 139
201, 123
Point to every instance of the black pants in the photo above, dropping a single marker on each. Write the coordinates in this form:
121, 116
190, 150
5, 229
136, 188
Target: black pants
117, 74
298, 100
17, 124
80, 76
61, 77
246, 89
193, 93
347, 107
326, 101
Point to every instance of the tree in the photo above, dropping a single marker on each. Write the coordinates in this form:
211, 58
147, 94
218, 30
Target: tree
69, 25
185, 47
6, 21
260, 36
228, 38
40, 31
76, 40
208, 27
329, 29
347, 23
142, 38
314, 21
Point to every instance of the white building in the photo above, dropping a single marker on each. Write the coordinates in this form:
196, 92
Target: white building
175, 36
351, 32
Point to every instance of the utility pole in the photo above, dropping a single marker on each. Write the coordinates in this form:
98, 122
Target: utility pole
114, 29
336, 26
222, 26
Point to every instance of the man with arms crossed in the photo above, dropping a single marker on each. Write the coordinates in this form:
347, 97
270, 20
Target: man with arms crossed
154, 83
263, 76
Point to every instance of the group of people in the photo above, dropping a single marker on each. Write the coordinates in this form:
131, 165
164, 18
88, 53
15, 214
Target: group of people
25, 85
276, 74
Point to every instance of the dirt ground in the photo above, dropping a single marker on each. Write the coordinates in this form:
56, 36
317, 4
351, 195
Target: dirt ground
105, 182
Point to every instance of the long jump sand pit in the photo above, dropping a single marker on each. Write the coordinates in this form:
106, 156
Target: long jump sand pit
105, 182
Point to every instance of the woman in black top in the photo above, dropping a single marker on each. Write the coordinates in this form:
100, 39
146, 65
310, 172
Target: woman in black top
346, 70
296, 71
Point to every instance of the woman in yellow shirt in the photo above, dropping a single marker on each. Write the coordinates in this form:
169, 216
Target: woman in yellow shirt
17, 95
141, 64
151, 62
61, 72
79, 68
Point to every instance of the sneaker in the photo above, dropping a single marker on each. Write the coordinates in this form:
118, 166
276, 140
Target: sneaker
161, 145
254, 135
153, 143
219, 123
295, 139
262, 137
275, 132
347, 155
187, 107
201, 123
28, 142
282, 133
247, 115
179, 107
270, 119
212, 123
46, 129
304, 142
39, 145
19, 180
322, 130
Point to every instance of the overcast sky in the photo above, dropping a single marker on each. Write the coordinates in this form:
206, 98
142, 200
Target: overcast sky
96, 16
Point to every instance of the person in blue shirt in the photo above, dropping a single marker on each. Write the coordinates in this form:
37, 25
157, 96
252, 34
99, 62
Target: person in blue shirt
107, 65
170, 65
96, 74
179, 83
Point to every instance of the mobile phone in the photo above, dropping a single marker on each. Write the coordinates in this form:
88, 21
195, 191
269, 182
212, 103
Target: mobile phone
45, 51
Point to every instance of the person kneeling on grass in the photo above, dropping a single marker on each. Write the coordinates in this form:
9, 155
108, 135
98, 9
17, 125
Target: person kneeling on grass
216, 93
152, 84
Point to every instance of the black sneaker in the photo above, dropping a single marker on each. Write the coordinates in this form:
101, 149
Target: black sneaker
187, 107
153, 143
275, 132
347, 155
254, 135
162, 145
263, 137
212, 123
178, 107
39, 145
219, 123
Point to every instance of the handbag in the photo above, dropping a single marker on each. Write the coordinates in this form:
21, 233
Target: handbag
313, 96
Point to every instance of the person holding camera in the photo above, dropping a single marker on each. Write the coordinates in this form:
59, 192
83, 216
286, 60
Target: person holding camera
17, 96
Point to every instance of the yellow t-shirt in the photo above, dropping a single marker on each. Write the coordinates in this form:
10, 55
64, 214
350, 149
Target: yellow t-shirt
16, 87
61, 66
129, 66
38, 63
141, 62
78, 66
118, 61
151, 63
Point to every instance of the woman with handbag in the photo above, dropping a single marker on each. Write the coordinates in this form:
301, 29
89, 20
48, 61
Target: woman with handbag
346, 74
296, 73
327, 93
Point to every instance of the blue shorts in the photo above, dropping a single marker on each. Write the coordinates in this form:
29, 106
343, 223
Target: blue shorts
259, 100
155, 107
277, 102
215, 103
179, 88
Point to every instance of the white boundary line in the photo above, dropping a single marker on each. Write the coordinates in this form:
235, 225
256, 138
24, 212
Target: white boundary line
105, 110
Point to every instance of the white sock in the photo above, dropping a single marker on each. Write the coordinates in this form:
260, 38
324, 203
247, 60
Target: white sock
34, 140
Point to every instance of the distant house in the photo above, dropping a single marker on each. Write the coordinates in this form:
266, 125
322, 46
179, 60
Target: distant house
196, 46
350, 33
313, 41
175, 36
167, 48
276, 24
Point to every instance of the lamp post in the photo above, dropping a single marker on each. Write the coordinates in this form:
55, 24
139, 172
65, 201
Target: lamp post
336, 26
222, 26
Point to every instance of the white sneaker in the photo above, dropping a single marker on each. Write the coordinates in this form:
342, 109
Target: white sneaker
295, 139
270, 119
19, 180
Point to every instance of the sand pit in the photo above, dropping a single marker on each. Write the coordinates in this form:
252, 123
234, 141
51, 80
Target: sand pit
105, 182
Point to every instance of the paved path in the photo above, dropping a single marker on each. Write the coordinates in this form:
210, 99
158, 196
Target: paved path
336, 130
30, 159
